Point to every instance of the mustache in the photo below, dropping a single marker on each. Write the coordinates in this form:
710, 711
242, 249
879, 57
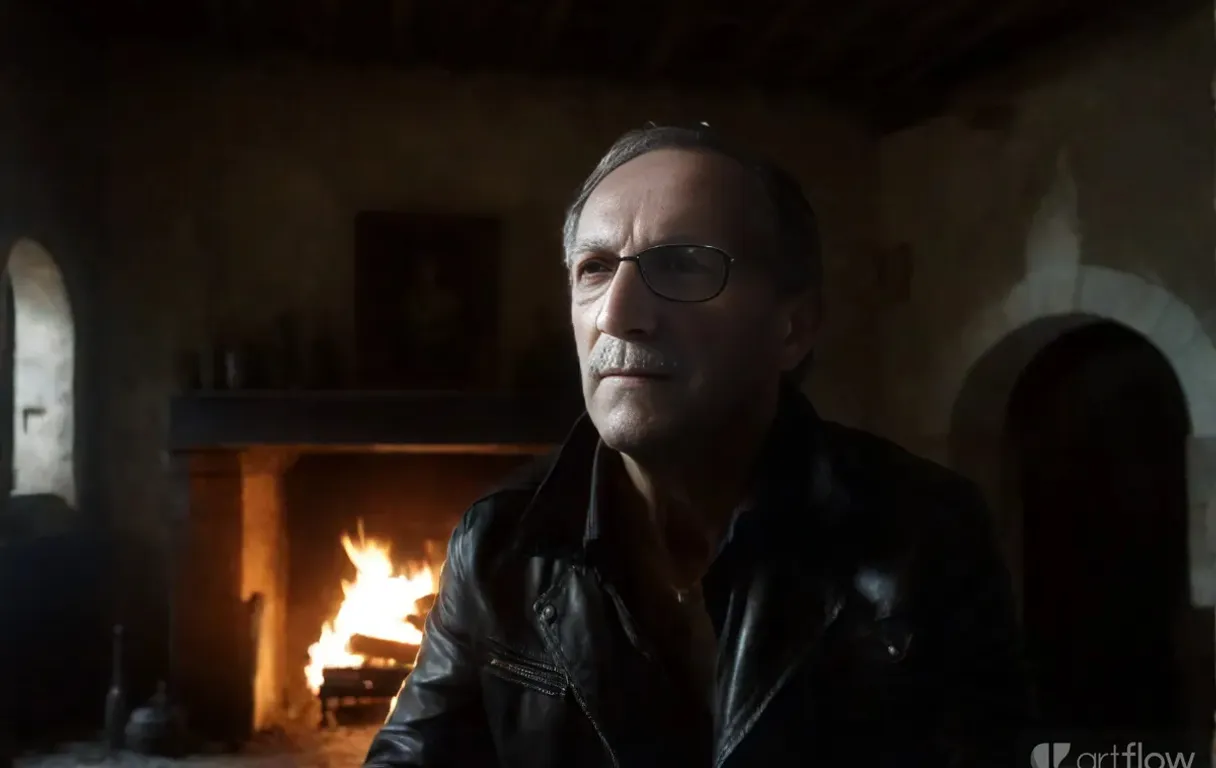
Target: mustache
614, 355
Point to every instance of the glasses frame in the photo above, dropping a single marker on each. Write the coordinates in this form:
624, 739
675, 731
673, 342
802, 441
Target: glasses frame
727, 262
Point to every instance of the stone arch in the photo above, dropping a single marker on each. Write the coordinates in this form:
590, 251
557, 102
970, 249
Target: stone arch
998, 344
1053, 300
44, 370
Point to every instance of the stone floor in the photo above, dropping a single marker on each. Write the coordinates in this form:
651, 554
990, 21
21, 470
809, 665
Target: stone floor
340, 747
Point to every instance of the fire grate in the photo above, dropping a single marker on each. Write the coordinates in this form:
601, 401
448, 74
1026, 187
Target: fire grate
376, 682
349, 687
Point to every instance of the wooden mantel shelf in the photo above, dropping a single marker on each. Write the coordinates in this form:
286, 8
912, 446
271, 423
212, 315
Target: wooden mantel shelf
337, 420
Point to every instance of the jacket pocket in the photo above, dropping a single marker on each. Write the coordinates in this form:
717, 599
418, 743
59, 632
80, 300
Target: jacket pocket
540, 676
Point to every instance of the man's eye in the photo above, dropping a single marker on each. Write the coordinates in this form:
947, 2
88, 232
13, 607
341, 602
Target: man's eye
592, 268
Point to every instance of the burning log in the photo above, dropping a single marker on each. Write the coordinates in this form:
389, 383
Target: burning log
376, 648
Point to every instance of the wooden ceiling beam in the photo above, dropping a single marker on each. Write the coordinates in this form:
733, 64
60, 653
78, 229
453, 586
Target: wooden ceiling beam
556, 19
540, 42
401, 27
1077, 46
953, 40
319, 22
672, 33
931, 28
479, 17
837, 40
401, 15
243, 23
1012, 73
779, 27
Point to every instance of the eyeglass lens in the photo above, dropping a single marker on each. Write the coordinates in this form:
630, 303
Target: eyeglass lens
683, 272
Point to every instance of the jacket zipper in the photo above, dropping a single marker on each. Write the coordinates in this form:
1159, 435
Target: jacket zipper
792, 667
582, 703
547, 633
548, 684
539, 680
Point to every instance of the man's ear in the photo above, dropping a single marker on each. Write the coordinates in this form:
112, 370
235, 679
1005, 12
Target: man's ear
802, 331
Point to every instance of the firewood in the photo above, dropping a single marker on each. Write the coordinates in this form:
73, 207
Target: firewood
377, 648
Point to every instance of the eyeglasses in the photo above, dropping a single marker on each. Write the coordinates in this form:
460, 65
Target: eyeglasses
683, 273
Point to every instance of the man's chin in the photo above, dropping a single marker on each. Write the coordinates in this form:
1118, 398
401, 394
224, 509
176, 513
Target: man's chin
632, 429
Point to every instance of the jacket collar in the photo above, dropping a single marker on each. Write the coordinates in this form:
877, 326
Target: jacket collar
563, 516
552, 523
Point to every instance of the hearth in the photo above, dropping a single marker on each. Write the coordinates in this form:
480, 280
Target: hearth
307, 564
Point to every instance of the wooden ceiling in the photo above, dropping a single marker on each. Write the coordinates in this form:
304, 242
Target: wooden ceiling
892, 60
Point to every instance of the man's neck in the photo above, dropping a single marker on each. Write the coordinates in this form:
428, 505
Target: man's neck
690, 498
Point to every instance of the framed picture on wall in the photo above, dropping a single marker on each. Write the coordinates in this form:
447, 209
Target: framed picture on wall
426, 300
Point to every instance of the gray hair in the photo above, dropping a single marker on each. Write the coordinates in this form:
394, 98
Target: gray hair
798, 265
799, 262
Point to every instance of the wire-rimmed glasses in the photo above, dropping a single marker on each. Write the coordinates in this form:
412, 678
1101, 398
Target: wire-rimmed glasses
681, 272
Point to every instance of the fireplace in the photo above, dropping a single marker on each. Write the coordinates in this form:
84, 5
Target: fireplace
300, 515
366, 538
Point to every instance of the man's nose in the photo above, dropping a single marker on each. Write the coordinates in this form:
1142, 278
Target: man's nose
627, 308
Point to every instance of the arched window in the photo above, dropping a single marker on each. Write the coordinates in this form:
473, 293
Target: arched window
43, 344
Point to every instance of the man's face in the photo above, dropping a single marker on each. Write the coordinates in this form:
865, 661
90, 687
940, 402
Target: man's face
658, 373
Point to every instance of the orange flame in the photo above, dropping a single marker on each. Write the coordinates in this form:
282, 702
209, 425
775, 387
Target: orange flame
376, 604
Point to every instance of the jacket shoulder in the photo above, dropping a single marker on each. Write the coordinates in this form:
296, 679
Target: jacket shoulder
899, 501
870, 464
490, 521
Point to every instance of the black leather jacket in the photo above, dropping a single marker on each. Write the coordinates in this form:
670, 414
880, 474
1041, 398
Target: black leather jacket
866, 620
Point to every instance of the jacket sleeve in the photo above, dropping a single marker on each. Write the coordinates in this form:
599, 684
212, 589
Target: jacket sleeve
985, 692
438, 719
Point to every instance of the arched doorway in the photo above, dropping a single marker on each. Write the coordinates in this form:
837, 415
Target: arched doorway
1095, 439
961, 400
41, 343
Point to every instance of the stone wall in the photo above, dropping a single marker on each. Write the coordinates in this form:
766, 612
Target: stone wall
51, 169
1092, 200
51, 166
1093, 196
233, 186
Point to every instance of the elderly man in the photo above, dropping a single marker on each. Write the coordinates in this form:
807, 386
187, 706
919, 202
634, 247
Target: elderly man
707, 573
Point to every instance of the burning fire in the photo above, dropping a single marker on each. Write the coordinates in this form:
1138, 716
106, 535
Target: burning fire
377, 604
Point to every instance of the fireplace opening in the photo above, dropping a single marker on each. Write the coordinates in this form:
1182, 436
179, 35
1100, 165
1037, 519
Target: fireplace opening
284, 497
365, 539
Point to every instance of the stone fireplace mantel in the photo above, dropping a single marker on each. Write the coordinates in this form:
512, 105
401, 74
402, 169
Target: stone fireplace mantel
366, 420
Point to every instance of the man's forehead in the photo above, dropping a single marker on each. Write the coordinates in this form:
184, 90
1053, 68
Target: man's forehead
686, 191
